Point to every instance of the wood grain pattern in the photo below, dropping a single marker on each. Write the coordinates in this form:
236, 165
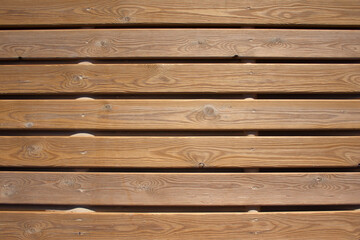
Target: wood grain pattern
179, 43
344, 225
179, 189
128, 12
180, 152
179, 78
190, 114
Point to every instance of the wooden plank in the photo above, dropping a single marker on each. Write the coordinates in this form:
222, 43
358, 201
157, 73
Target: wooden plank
179, 43
189, 114
16, 13
179, 152
329, 225
179, 189
179, 78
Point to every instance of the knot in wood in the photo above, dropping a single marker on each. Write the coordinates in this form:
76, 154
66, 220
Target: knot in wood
77, 78
209, 110
8, 190
318, 179
34, 150
103, 43
31, 148
107, 107
209, 113
33, 228
29, 124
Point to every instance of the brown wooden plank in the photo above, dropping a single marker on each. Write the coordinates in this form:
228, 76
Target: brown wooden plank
190, 114
179, 189
179, 152
179, 43
179, 78
128, 12
344, 225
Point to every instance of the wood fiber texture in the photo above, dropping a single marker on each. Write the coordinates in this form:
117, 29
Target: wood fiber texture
179, 43
180, 189
184, 114
179, 152
179, 78
179, 119
52, 13
343, 225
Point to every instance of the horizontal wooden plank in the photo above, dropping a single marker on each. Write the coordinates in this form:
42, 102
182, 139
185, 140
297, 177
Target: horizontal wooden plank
128, 12
179, 152
179, 43
189, 114
334, 225
179, 78
179, 189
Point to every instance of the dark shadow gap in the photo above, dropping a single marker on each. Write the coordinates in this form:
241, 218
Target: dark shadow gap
187, 133
176, 209
180, 25
178, 96
230, 59
179, 170
184, 59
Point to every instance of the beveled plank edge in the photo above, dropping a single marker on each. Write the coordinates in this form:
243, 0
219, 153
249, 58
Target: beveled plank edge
181, 114
46, 44
127, 13
78, 78
300, 225
180, 189
156, 156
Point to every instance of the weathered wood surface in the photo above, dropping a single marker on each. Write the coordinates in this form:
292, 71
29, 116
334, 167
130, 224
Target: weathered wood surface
179, 43
179, 189
179, 78
179, 152
189, 114
16, 13
344, 225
